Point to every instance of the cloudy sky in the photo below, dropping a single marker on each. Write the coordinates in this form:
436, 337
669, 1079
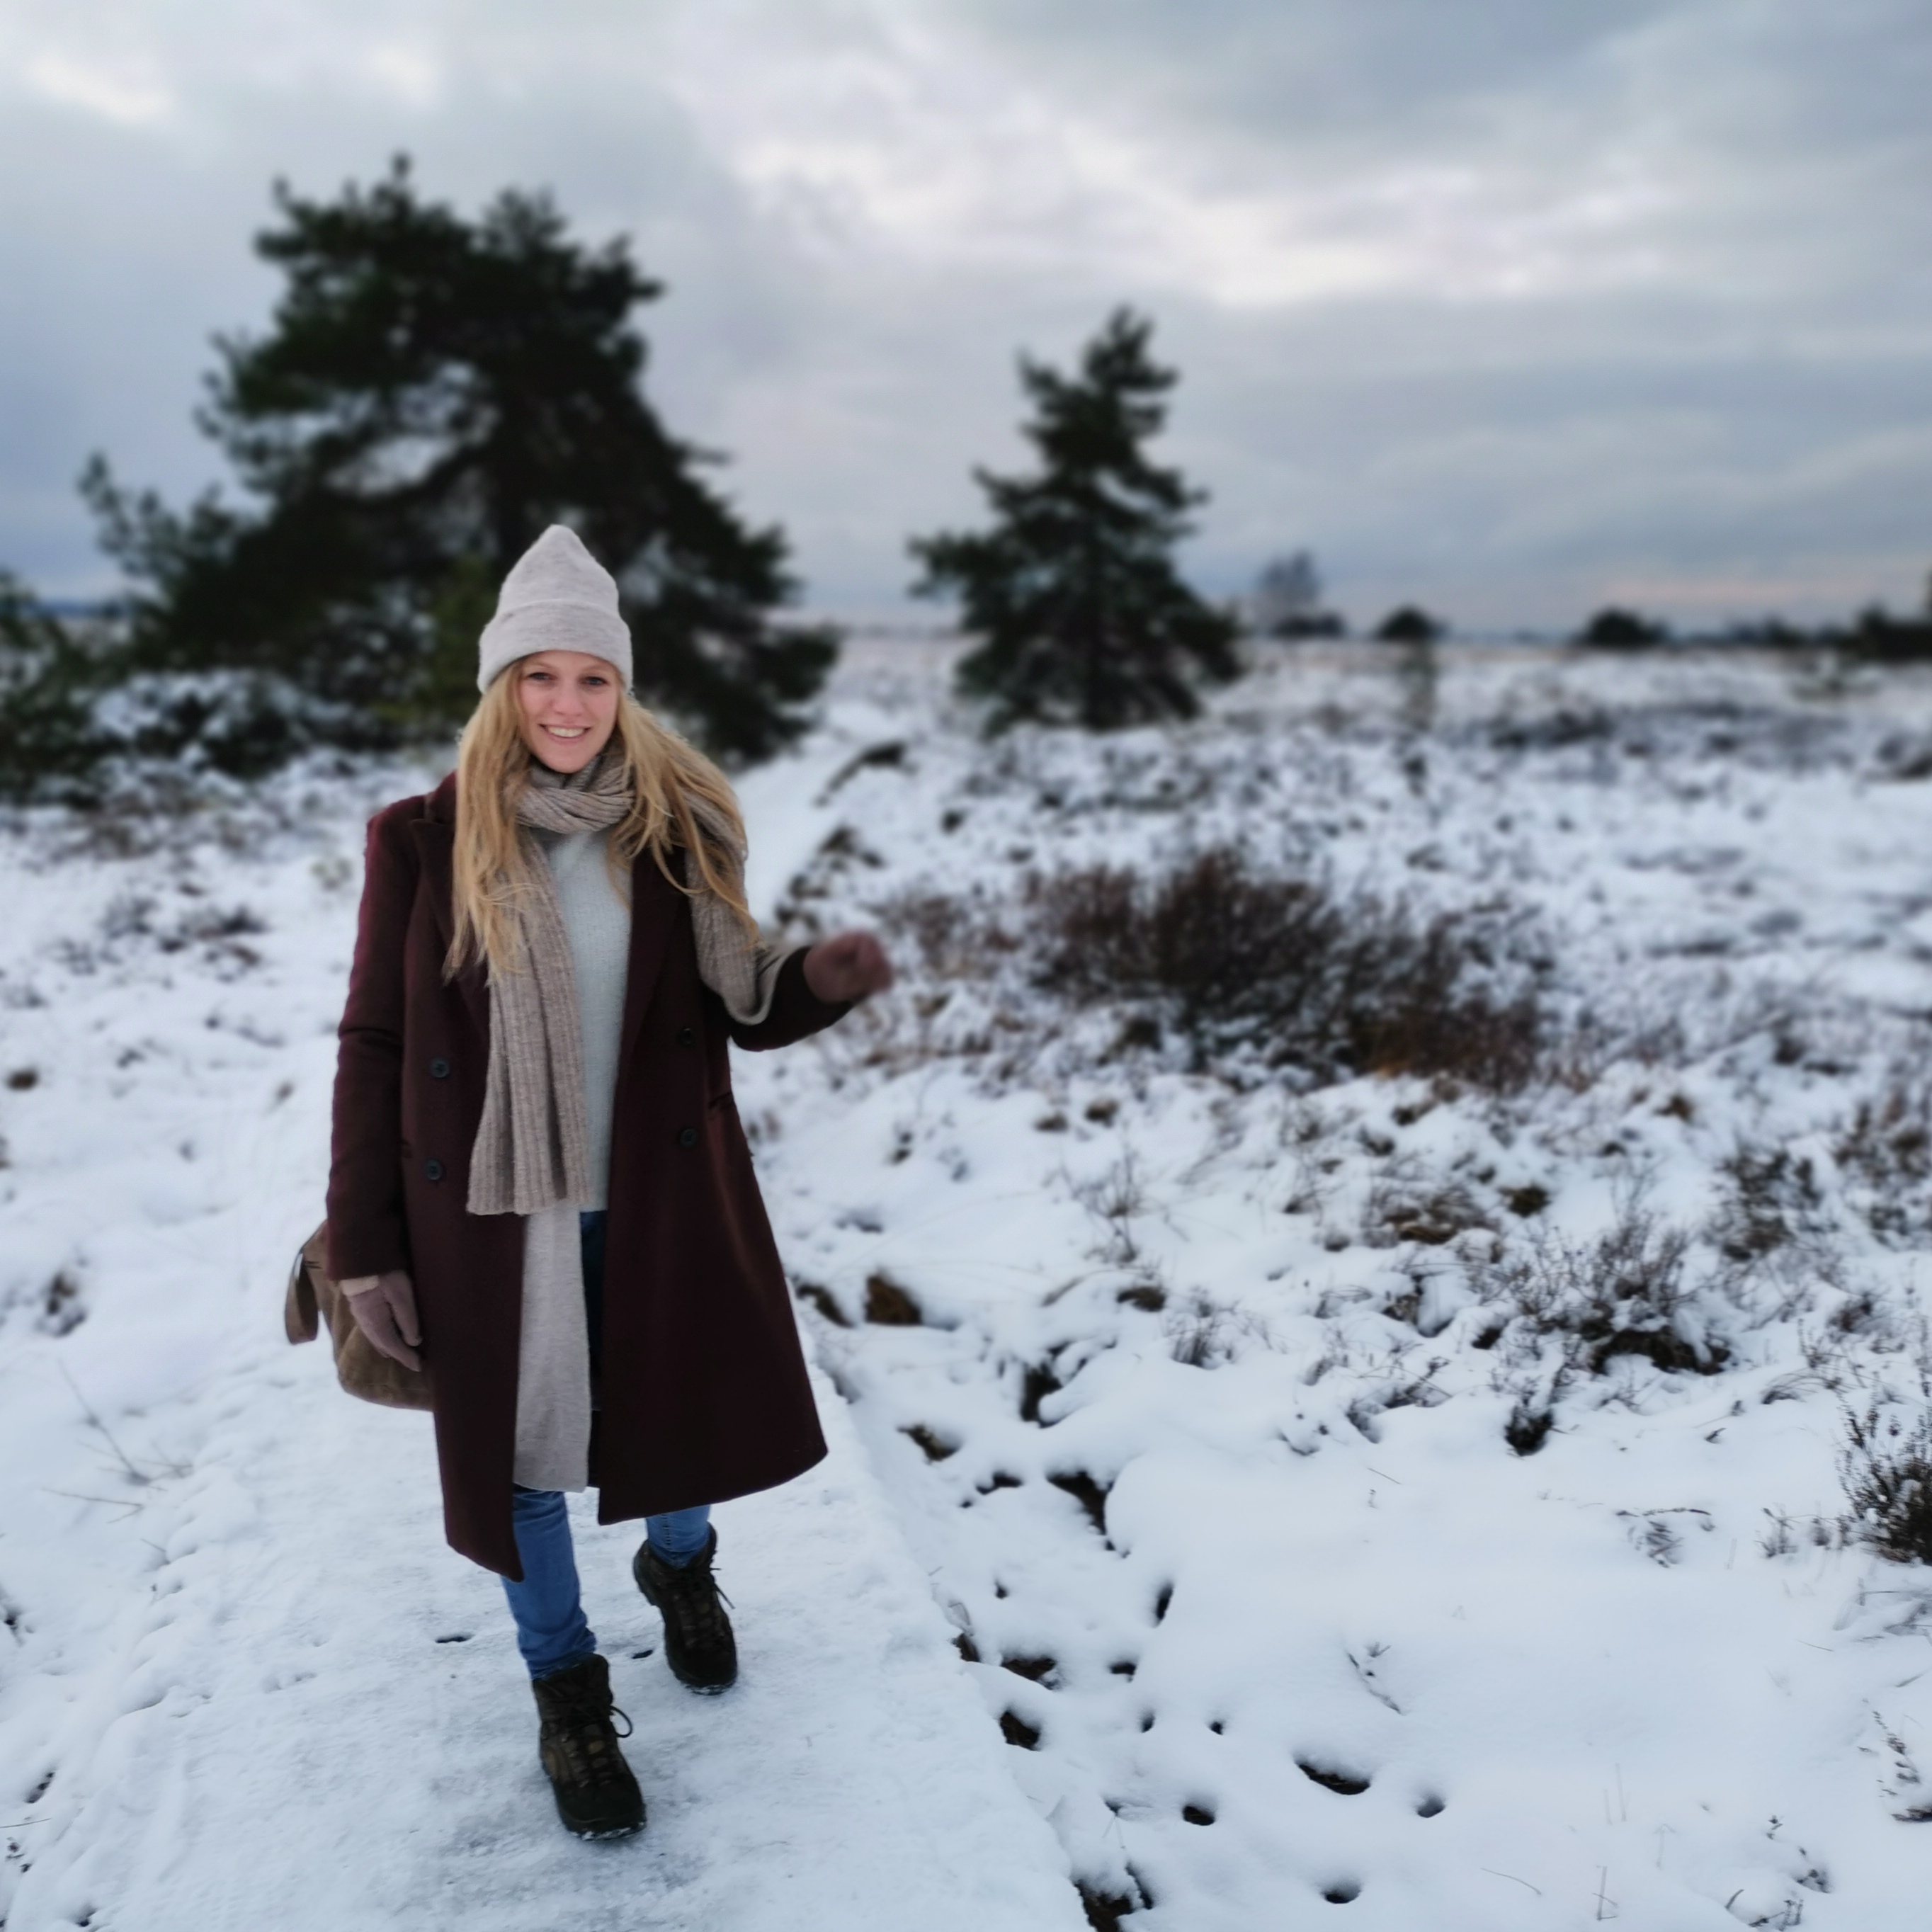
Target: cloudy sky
1516, 306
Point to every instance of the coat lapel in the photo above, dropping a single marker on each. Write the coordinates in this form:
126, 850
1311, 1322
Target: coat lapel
435, 841
655, 905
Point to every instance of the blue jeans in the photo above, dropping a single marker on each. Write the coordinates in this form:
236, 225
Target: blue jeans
552, 1634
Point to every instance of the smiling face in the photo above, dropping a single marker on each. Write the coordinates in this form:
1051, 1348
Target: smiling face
567, 707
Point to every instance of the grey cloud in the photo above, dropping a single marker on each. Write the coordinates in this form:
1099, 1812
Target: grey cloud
1641, 299
1297, 72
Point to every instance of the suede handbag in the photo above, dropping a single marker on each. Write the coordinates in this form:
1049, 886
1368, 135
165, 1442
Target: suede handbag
312, 1298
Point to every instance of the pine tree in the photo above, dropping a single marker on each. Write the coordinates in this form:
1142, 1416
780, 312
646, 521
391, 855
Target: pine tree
432, 394
48, 741
1073, 593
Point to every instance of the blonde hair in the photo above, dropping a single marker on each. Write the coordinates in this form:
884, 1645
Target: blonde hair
491, 861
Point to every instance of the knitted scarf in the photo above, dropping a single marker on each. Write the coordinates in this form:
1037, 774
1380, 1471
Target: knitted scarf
533, 1142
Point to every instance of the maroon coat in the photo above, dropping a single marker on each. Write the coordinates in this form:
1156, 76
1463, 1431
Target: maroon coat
703, 1386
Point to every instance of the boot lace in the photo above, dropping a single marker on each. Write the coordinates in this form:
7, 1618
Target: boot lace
585, 1735
692, 1597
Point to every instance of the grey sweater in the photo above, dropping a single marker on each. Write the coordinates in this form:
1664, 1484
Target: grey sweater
554, 1393
597, 922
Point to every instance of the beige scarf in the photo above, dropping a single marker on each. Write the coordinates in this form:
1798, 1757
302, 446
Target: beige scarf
533, 1142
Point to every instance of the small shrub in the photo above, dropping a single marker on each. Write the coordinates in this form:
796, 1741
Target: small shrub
1205, 1333
1404, 1204
1888, 1151
1116, 1200
1769, 1198
1778, 1539
1886, 1469
1622, 1294
953, 936
1291, 969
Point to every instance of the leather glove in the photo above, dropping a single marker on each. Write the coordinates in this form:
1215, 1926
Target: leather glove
385, 1309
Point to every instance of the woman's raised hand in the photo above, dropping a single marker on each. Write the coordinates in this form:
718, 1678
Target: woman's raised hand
387, 1315
847, 966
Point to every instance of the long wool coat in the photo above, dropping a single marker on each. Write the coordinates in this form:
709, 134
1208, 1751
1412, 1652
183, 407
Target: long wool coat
703, 1386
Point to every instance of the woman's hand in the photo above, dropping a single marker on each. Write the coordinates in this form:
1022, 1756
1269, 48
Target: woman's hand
387, 1315
847, 967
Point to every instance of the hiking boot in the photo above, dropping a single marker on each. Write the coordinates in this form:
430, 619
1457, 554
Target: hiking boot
596, 1795
698, 1644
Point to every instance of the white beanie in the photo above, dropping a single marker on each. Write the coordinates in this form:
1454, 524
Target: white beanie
557, 597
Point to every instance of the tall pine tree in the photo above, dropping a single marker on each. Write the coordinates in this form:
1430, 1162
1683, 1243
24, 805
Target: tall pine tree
433, 393
1073, 593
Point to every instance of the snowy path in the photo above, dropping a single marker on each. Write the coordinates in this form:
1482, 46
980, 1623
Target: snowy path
244, 1681
315, 1716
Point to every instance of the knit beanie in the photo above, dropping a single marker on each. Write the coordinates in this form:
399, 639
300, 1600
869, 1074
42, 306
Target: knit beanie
557, 597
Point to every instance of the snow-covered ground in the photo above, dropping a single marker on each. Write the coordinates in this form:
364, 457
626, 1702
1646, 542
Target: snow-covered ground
1256, 1498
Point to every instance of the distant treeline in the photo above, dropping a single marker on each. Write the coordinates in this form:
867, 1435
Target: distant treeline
1286, 607
1874, 634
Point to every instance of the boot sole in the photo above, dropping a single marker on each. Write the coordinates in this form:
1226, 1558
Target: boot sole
585, 1827
580, 1827
599, 1833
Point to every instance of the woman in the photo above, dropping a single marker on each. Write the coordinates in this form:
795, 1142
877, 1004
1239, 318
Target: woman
539, 1181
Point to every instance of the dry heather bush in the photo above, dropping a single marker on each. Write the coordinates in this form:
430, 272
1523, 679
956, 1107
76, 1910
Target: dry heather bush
956, 938
1620, 1295
1773, 1229
1205, 1333
1888, 1151
1341, 984
1768, 1199
1405, 1203
1886, 1469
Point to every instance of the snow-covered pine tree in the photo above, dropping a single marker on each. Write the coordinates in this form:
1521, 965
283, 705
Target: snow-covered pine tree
1073, 594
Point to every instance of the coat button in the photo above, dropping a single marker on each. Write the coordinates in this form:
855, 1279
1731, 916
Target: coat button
686, 1036
433, 1169
687, 1137
439, 1068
